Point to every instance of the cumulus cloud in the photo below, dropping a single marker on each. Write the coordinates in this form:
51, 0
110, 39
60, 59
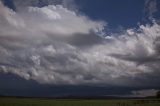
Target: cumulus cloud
54, 45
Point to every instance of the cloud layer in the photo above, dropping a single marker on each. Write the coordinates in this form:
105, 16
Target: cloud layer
55, 45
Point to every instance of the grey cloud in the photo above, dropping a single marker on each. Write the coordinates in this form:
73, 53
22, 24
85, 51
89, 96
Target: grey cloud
26, 3
85, 40
138, 60
22, 5
55, 45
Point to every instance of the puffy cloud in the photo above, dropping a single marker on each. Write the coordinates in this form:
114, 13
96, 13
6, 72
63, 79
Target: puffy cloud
55, 45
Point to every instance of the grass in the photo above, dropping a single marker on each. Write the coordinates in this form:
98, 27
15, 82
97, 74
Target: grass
77, 102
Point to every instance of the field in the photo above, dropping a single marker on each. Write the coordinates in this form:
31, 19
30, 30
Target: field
77, 102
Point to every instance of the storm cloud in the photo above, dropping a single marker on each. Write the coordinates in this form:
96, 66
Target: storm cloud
55, 45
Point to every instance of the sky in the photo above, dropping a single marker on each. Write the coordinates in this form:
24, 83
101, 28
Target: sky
79, 47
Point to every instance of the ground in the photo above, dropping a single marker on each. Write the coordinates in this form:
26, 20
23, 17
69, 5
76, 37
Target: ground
77, 102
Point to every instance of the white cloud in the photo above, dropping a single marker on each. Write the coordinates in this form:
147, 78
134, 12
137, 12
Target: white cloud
145, 93
40, 47
59, 20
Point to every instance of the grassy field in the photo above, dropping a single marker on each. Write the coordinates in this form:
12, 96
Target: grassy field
76, 102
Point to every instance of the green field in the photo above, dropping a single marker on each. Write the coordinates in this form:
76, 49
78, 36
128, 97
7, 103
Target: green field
77, 102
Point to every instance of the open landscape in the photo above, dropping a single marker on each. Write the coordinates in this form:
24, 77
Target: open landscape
77, 102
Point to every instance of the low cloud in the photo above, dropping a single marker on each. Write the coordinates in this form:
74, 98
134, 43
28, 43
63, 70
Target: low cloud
55, 45
144, 93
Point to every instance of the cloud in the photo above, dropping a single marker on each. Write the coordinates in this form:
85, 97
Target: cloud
145, 93
54, 45
150, 8
22, 5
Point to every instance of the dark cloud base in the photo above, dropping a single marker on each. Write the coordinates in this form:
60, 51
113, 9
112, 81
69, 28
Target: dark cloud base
13, 85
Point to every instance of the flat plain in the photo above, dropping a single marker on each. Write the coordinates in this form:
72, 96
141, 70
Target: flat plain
77, 102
